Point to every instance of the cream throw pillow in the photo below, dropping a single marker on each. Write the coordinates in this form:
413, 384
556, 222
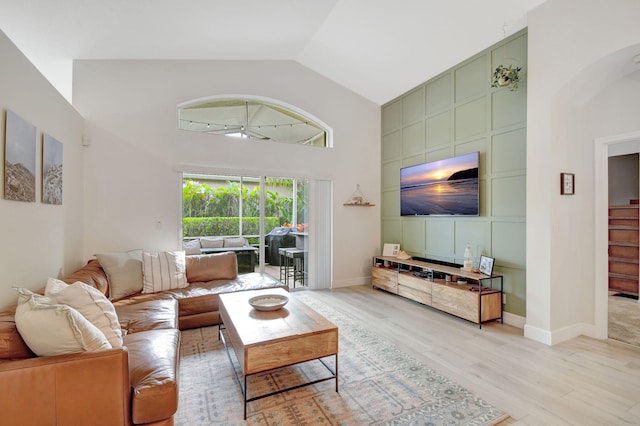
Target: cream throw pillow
124, 271
192, 246
163, 271
91, 303
211, 242
235, 242
50, 328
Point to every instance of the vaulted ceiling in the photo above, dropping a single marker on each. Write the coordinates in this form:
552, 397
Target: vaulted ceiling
376, 48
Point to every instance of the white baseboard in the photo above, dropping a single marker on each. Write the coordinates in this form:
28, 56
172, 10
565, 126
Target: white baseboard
514, 320
561, 335
351, 282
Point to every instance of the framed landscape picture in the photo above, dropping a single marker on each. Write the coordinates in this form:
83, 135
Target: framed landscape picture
486, 265
20, 159
51, 170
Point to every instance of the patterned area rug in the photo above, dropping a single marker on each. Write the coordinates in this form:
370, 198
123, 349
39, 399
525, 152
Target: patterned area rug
378, 385
624, 319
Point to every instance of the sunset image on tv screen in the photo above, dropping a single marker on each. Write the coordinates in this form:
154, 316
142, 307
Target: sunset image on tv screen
443, 187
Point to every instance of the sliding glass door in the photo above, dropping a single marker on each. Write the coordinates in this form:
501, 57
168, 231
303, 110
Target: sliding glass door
268, 213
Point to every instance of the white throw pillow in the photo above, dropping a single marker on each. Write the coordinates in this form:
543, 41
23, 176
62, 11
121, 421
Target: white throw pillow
211, 242
235, 242
50, 328
124, 271
191, 246
163, 271
91, 303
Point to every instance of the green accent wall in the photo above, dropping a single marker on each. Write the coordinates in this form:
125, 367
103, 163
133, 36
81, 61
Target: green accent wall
455, 113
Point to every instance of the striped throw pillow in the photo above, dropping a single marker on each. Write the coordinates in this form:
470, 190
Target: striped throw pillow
163, 271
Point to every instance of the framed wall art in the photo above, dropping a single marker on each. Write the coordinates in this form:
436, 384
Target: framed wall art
567, 183
51, 170
20, 159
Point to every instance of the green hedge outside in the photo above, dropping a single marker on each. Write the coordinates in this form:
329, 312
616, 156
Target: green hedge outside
207, 226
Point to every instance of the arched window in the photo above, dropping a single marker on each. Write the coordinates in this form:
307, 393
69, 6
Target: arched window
253, 117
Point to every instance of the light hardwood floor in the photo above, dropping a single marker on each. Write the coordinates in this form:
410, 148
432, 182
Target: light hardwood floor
580, 382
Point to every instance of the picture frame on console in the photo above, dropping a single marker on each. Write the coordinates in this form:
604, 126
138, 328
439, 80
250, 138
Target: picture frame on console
486, 265
390, 249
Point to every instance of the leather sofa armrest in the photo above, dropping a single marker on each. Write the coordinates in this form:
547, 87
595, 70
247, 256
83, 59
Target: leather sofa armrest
82, 388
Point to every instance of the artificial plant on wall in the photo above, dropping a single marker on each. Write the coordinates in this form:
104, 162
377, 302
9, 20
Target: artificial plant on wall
506, 76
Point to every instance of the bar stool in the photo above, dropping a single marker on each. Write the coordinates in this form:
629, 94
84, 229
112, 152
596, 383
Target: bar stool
284, 266
295, 265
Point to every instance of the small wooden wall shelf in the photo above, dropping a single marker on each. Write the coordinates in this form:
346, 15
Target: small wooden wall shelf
358, 199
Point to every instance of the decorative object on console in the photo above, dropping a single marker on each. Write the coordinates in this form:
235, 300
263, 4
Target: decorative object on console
468, 259
486, 265
403, 255
567, 184
391, 249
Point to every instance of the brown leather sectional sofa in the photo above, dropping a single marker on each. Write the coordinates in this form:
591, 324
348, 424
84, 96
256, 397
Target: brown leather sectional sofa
136, 384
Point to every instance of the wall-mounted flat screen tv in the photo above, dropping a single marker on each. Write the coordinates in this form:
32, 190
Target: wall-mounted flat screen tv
444, 187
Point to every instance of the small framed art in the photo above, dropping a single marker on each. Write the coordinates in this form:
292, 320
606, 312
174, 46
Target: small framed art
567, 183
486, 265
391, 249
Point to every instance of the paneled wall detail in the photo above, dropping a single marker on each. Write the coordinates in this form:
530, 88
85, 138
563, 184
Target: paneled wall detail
452, 114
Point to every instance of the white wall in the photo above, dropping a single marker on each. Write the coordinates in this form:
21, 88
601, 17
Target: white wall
574, 54
131, 121
39, 240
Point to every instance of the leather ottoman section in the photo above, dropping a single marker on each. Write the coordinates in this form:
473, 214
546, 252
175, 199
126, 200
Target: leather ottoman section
149, 315
202, 297
204, 319
154, 357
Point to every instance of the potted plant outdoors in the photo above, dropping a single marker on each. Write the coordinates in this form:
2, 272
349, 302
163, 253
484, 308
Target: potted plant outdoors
506, 76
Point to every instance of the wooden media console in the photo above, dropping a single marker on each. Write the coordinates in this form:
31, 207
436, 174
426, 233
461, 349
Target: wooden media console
468, 295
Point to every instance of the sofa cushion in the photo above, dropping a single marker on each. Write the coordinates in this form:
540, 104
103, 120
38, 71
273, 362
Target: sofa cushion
50, 328
153, 369
235, 242
163, 271
92, 304
191, 246
161, 313
209, 267
124, 271
211, 242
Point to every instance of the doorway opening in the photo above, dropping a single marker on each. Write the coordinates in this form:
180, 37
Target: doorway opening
617, 188
624, 238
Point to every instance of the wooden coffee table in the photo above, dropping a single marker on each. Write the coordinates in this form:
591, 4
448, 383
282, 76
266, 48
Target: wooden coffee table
264, 341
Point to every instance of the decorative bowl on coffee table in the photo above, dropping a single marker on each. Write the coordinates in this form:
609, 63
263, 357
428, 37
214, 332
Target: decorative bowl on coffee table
268, 302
